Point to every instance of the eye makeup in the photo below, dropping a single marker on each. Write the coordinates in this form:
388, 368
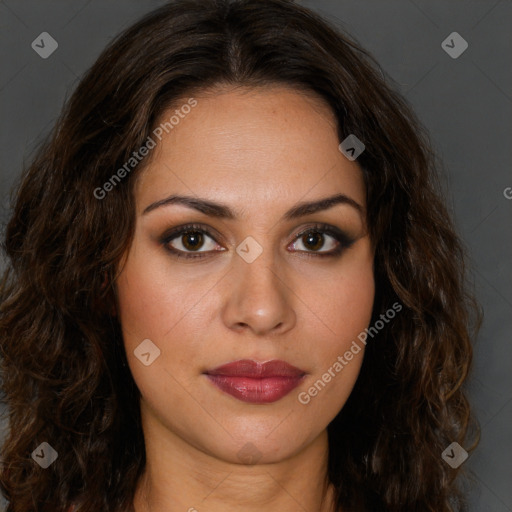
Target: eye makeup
198, 233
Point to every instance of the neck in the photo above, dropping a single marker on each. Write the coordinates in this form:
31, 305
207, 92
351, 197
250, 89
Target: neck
179, 478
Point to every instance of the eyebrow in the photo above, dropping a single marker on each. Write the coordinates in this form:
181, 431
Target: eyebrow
222, 211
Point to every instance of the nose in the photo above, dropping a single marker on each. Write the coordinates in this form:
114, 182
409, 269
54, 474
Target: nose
259, 297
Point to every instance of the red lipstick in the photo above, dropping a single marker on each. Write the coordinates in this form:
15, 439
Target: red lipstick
256, 383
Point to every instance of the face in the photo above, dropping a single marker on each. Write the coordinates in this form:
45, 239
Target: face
243, 273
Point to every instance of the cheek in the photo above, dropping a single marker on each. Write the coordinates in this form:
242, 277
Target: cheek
340, 299
346, 312
148, 308
162, 307
351, 313
348, 303
151, 301
343, 303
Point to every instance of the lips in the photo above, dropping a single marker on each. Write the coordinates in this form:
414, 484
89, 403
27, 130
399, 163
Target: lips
257, 383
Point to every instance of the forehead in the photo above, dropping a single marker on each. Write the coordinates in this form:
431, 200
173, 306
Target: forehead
260, 148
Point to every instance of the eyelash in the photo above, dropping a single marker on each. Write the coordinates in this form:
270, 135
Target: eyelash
344, 241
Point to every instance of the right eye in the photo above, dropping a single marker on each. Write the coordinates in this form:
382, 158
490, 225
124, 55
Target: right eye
185, 242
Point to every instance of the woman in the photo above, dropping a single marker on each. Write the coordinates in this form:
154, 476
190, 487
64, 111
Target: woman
233, 283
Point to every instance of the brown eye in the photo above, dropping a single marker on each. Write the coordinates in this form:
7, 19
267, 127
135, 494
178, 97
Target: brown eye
313, 240
322, 240
192, 240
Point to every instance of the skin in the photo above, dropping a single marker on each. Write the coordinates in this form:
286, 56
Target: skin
260, 152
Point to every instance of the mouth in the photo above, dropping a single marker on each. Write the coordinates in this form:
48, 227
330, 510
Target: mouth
256, 383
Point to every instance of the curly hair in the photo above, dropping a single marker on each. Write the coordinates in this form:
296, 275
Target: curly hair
65, 377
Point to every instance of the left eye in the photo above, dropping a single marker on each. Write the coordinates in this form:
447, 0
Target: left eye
313, 241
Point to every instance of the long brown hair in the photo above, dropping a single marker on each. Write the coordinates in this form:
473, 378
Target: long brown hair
64, 372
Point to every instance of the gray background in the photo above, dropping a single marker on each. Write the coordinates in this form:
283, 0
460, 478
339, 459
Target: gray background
466, 103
